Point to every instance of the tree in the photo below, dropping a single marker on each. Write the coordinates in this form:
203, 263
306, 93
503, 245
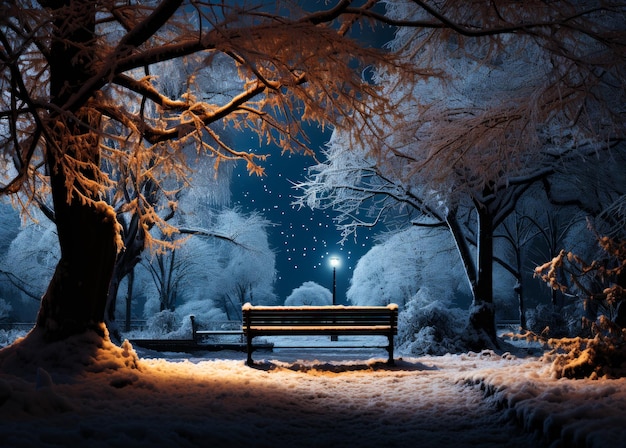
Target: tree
248, 267
32, 256
214, 271
309, 294
76, 75
162, 194
513, 105
395, 269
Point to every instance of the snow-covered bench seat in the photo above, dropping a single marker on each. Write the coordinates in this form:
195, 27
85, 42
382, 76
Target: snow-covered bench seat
320, 320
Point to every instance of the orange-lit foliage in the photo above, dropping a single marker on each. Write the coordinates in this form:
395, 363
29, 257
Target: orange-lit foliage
600, 284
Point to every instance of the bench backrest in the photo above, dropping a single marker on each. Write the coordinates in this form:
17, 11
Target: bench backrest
307, 316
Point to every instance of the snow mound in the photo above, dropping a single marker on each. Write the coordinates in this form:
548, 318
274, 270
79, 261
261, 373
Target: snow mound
32, 357
559, 411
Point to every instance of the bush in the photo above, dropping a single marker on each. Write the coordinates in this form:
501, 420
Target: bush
600, 284
556, 322
309, 294
162, 324
7, 337
588, 358
430, 327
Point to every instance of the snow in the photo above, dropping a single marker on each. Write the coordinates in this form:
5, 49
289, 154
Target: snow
61, 394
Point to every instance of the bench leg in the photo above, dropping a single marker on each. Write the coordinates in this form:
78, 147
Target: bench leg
249, 361
390, 361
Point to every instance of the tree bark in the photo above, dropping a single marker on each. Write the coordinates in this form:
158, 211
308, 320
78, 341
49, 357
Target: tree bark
479, 273
87, 228
77, 294
482, 315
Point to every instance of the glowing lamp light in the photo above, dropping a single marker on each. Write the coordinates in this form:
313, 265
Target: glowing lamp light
334, 262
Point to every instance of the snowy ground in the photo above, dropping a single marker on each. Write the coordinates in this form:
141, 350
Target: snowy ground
294, 398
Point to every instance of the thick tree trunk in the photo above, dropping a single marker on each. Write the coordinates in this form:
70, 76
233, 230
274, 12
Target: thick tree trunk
87, 228
479, 272
482, 315
76, 297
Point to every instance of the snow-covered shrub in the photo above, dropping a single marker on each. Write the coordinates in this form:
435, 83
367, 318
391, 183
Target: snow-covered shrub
556, 321
430, 326
309, 294
7, 337
151, 306
588, 358
162, 324
203, 311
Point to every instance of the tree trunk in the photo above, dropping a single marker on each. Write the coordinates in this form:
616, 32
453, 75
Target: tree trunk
77, 294
482, 315
134, 240
479, 272
519, 290
129, 299
87, 228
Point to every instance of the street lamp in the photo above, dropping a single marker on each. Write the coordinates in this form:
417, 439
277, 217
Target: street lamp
334, 262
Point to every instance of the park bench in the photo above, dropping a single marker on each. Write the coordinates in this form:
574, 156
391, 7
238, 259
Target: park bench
320, 320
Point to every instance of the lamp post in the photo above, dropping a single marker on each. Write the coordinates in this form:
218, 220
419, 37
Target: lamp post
334, 262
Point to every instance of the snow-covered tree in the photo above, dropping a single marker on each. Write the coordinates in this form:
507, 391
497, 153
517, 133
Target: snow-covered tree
77, 75
534, 232
396, 268
500, 108
10, 226
309, 294
32, 256
246, 263
166, 195
214, 271
8, 231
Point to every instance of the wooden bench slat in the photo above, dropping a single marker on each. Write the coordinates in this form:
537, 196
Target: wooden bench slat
329, 328
292, 323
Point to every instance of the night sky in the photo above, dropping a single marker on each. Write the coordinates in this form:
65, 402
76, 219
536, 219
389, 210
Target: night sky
303, 239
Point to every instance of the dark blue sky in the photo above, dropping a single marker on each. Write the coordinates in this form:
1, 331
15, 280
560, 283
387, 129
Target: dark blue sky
303, 239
